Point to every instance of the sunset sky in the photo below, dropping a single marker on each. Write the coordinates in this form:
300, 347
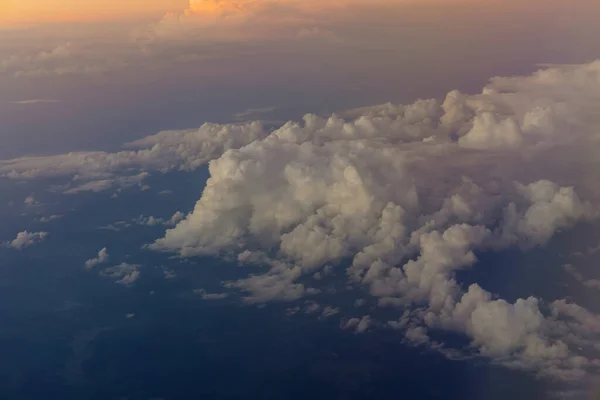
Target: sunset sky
14, 12
401, 186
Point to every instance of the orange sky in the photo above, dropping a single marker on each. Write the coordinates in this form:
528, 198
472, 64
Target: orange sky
20, 12
15, 12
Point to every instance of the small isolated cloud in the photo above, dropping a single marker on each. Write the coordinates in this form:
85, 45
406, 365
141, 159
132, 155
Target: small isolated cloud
359, 325
35, 101
30, 201
329, 311
25, 239
102, 258
124, 274
210, 296
359, 303
169, 273
50, 218
129, 315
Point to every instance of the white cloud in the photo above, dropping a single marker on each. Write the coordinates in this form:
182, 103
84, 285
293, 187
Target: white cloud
124, 274
25, 239
410, 194
102, 258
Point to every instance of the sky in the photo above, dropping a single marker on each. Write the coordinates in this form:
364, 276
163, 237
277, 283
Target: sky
33, 12
421, 169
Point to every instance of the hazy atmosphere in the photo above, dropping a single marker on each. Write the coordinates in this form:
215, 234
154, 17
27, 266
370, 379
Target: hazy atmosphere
292, 199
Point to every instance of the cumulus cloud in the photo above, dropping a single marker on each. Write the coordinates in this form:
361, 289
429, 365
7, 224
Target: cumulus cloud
410, 194
102, 258
244, 20
406, 195
124, 274
25, 239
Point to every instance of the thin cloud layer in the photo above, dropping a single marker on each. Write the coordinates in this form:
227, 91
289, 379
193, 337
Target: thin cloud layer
35, 101
165, 151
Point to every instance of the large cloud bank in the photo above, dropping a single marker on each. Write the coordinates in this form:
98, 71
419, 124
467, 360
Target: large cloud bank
409, 194
404, 196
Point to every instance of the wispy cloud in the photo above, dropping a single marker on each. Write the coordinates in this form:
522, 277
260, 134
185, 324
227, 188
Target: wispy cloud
252, 112
35, 101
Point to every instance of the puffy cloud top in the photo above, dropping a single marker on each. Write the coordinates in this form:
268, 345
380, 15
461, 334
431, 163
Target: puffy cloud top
25, 239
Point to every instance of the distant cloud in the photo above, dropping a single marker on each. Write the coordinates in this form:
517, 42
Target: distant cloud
35, 101
102, 258
155, 221
329, 311
26, 239
359, 325
210, 296
169, 274
30, 201
51, 218
124, 274
578, 276
251, 112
